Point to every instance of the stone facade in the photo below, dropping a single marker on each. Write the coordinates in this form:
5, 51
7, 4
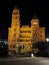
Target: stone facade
24, 36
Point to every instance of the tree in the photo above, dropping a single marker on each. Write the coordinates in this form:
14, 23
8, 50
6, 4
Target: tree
3, 49
42, 49
42, 46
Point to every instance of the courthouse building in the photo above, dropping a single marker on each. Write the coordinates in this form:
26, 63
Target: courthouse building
24, 36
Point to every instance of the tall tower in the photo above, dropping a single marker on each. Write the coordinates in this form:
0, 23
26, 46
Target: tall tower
35, 21
38, 33
15, 17
34, 26
16, 21
13, 34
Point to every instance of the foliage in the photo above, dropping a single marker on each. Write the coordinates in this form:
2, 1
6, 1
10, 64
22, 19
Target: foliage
3, 49
42, 49
40, 45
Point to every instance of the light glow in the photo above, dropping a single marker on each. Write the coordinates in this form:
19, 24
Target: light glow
32, 55
47, 39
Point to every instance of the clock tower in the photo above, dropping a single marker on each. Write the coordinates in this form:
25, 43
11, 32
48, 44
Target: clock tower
35, 21
15, 17
13, 34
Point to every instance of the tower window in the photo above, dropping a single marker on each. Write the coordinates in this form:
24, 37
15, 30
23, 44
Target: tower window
14, 35
14, 30
15, 12
41, 31
16, 17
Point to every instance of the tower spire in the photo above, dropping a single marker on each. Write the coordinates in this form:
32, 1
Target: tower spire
16, 7
35, 17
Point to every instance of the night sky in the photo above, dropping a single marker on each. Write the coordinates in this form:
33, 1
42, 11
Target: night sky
27, 10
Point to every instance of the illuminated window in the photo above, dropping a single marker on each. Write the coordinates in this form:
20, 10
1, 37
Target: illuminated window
15, 13
20, 35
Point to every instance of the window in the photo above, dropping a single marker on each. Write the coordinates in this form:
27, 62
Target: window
14, 40
41, 31
41, 36
20, 40
29, 31
16, 17
14, 29
14, 35
13, 46
15, 12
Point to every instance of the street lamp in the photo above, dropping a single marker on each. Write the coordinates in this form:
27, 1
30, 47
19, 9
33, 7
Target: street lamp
32, 55
47, 39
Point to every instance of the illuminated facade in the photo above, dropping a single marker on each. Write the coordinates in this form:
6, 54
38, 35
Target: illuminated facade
24, 36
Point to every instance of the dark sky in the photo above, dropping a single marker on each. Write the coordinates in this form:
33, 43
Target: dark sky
27, 10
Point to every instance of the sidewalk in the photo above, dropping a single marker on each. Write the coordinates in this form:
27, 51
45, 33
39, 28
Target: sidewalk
14, 58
